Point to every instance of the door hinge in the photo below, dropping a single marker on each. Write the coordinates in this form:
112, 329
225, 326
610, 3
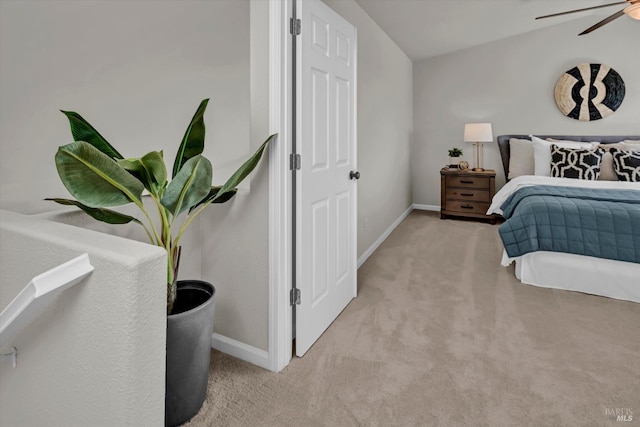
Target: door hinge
294, 26
294, 296
295, 162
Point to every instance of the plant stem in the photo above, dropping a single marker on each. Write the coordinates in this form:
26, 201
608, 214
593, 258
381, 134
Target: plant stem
155, 232
148, 232
189, 219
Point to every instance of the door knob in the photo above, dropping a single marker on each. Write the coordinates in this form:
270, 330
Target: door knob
354, 175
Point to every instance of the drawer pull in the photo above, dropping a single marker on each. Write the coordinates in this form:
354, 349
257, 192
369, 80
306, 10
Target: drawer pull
466, 182
466, 207
467, 194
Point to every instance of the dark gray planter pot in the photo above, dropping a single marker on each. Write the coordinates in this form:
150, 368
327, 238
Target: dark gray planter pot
189, 331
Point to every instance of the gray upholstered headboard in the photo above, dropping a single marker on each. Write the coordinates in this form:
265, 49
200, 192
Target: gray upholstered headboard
505, 152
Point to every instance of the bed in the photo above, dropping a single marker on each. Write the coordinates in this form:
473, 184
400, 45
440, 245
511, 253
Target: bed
529, 195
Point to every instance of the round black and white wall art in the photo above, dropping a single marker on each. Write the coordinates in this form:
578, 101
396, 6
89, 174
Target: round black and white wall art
589, 92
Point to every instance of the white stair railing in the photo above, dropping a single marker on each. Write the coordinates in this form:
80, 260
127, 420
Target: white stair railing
36, 296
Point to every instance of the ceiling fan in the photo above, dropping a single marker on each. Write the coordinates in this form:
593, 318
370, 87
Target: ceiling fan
632, 9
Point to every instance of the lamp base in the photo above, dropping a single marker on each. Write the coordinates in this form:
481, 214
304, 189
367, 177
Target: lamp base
478, 157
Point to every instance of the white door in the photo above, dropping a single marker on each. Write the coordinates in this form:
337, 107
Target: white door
325, 192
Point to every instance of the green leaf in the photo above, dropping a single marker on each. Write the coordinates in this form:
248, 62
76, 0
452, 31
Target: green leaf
244, 170
153, 163
212, 195
133, 166
191, 185
149, 169
95, 179
193, 140
83, 131
101, 214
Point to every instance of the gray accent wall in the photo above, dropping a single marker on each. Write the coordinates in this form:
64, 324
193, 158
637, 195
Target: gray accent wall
510, 83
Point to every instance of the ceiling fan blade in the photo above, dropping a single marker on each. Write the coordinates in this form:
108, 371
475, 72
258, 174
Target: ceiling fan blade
581, 10
605, 21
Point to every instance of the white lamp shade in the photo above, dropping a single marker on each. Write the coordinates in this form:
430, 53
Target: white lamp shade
478, 132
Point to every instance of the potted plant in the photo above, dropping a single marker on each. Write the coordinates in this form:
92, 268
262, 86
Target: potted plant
454, 154
99, 177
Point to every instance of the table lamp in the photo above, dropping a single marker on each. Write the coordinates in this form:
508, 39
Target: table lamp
478, 133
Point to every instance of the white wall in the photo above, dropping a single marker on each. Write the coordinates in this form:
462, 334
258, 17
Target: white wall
510, 83
97, 355
385, 112
137, 71
235, 247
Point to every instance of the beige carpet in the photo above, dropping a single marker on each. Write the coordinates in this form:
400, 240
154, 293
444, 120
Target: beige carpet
441, 335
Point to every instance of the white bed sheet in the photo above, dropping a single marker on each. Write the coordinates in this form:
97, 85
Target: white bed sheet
597, 276
590, 275
529, 180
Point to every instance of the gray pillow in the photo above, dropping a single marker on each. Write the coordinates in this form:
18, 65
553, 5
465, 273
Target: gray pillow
607, 172
521, 157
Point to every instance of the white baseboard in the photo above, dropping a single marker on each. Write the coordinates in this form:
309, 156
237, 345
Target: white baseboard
382, 238
240, 350
433, 208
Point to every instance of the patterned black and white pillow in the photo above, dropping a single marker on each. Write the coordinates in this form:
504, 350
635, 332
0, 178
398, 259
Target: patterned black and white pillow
626, 163
576, 163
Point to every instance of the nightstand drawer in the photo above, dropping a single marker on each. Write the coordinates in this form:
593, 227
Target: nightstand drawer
468, 181
466, 193
472, 195
467, 207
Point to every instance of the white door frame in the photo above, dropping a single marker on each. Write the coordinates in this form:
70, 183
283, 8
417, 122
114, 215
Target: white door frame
280, 180
280, 207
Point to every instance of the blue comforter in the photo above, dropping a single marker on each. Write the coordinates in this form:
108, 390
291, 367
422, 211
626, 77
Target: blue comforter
602, 223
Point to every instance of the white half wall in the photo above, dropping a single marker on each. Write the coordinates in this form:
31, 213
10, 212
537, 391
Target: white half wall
385, 111
511, 83
97, 355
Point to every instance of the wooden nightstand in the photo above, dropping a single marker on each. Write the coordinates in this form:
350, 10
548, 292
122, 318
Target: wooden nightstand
467, 193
